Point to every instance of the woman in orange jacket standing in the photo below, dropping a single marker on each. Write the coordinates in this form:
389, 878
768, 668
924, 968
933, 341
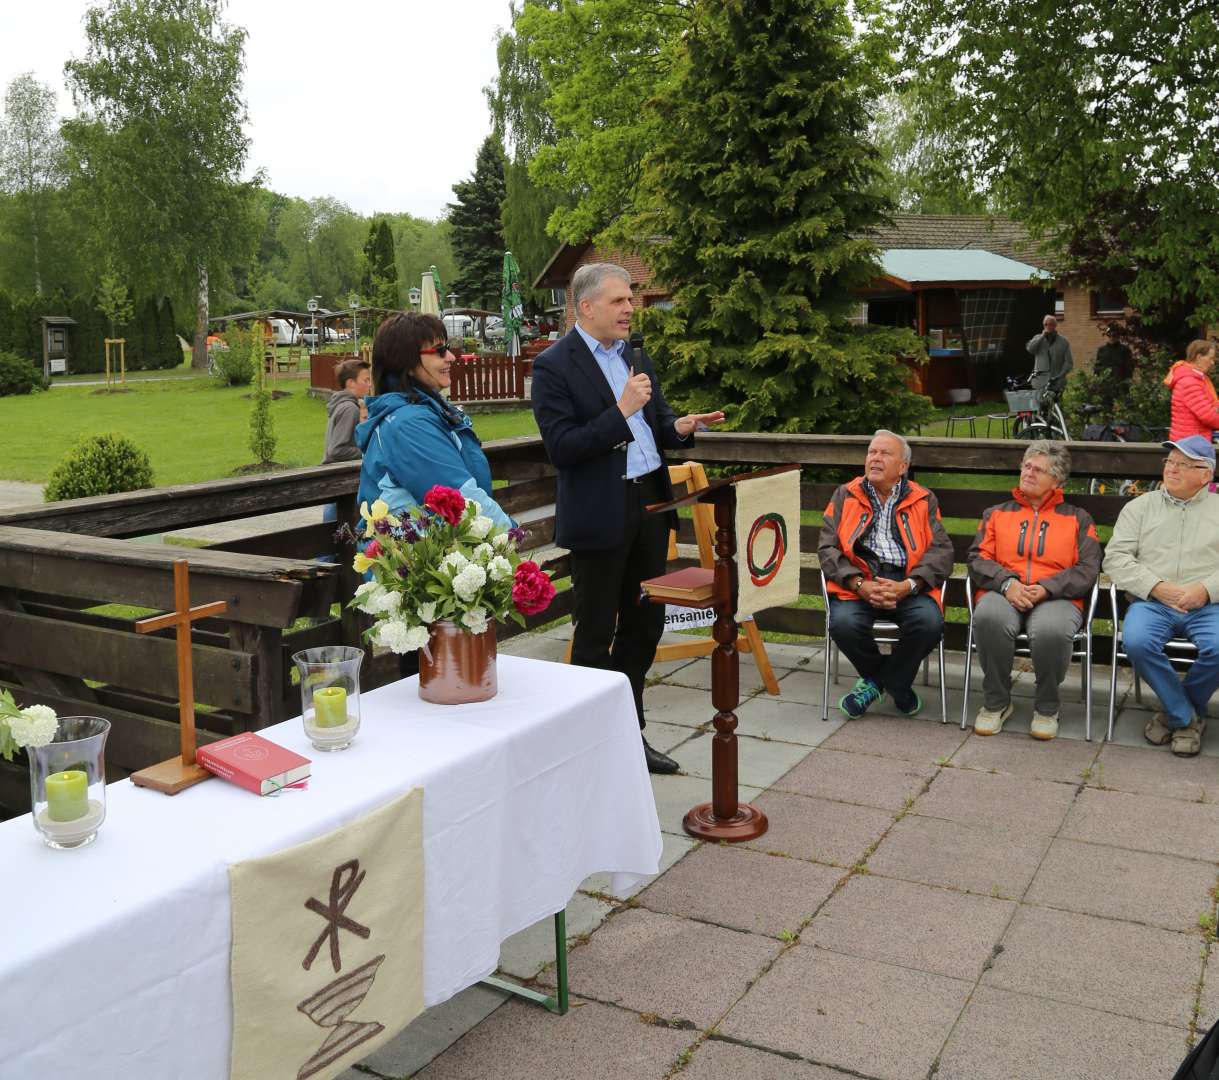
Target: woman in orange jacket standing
1195, 405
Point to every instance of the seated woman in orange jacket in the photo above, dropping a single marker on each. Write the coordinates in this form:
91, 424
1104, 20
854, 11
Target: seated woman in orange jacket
1033, 561
1195, 405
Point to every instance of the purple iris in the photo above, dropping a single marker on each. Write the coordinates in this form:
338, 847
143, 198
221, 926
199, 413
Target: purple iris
517, 535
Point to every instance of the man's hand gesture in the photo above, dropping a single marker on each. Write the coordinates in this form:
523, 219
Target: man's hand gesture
692, 422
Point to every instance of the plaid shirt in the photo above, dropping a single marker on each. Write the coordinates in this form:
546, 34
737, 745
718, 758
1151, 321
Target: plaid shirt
880, 538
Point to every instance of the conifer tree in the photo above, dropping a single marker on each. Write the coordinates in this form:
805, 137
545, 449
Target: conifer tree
380, 280
478, 238
762, 187
262, 427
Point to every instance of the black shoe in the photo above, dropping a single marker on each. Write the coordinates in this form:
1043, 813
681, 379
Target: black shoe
658, 763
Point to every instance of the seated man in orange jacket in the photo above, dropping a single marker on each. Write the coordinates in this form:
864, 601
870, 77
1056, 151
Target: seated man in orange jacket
885, 555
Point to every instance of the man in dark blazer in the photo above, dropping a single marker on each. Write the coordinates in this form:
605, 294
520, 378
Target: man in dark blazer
604, 422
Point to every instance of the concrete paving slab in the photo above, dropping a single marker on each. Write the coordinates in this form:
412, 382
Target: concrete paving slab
818, 829
524, 1042
873, 1019
767, 717
1138, 971
525, 954
718, 1060
1145, 823
1059, 759
1003, 1035
535, 646
791, 655
1132, 718
886, 783
677, 968
760, 762
803, 686
924, 741
1208, 1000
675, 795
677, 705
1138, 886
431, 1033
743, 889
997, 801
959, 855
674, 848
915, 926
698, 675
1156, 770
666, 737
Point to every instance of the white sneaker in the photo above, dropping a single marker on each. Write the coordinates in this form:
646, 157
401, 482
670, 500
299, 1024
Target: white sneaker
991, 721
1044, 727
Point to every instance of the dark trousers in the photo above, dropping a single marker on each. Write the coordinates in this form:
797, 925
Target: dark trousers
614, 628
922, 625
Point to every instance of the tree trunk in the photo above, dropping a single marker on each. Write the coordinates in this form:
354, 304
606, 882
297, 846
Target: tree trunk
37, 260
199, 352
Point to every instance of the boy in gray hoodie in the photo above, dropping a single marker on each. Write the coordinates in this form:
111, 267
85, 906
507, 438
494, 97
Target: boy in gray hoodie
346, 409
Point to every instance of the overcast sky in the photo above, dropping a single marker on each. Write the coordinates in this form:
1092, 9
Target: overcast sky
394, 85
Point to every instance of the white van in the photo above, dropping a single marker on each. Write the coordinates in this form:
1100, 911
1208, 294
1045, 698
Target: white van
283, 332
459, 325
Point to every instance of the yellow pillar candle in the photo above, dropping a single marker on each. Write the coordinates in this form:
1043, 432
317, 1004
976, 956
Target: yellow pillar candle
67, 795
330, 706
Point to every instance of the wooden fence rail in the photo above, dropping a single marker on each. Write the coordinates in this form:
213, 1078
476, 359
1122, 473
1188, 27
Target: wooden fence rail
491, 377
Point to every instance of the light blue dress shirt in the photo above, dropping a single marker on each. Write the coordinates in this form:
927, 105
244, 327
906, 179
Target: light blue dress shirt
642, 457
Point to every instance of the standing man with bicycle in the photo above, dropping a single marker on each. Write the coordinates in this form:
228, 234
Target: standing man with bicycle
1051, 353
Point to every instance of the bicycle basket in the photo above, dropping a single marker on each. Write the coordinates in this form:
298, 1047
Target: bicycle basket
1022, 400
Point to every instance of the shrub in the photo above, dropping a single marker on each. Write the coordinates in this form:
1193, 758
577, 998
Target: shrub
1142, 399
99, 465
17, 375
236, 365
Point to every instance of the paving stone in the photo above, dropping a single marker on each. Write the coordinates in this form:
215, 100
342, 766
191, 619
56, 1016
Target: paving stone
1145, 823
667, 737
1148, 770
760, 762
698, 675
733, 886
432, 1032
1138, 971
803, 686
1142, 887
791, 655
676, 795
766, 717
537, 646
915, 926
874, 1019
923, 741
1059, 759
1208, 1011
524, 954
674, 847
959, 855
677, 968
1000, 1033
997, 801
524, 1042
718, 1060
887, 783
1132, 718
677, 705
829, 832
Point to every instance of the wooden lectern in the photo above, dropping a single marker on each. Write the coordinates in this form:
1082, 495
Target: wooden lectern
724, 818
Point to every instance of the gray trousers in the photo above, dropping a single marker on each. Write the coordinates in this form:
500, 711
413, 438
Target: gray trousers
1050, 627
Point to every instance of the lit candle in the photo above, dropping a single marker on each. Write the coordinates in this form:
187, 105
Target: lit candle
330, 706
67, 795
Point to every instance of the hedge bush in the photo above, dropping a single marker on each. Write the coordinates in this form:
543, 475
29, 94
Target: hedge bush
99, 465
237, 365
17, 375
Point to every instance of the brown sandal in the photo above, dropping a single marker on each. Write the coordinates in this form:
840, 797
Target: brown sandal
1187, 741
1157, 732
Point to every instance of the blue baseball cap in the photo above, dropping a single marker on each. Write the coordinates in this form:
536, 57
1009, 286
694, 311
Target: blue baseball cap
1197, 447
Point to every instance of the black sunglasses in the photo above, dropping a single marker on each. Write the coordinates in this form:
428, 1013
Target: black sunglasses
438, 350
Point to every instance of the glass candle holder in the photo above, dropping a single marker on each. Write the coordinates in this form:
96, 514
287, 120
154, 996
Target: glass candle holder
68, 782
330, 694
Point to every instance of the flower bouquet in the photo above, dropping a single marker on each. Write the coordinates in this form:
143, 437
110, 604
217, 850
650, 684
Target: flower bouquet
34, 725
441, 576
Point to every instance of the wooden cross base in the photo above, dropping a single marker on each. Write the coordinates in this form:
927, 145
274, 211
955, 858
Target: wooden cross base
748, 823
170, 776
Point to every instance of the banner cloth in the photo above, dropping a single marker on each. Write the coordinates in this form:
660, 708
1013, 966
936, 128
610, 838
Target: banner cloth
768, 542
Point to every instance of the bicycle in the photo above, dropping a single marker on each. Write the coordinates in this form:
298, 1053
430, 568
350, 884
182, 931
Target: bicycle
1120, 431
1037, 413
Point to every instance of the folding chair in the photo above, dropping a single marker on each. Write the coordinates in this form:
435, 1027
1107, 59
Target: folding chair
1083, 637
885, 632
1178, 650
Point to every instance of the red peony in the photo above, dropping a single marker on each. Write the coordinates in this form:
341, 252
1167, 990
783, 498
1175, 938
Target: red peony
531, 589
373, 550
447, 502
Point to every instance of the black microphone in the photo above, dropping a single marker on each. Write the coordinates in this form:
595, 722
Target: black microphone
636, 350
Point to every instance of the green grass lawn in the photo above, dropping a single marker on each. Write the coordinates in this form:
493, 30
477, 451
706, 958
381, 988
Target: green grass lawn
191, 429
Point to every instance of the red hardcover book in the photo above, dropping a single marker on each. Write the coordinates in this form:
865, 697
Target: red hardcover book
692, 583
254, 763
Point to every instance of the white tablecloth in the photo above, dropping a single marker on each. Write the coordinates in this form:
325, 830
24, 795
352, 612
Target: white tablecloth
114, 959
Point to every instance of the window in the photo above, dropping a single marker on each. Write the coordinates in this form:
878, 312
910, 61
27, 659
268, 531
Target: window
1060, 305
1108, 301
663, 303
859, 317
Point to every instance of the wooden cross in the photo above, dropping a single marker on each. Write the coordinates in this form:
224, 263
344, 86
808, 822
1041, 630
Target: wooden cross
182, 771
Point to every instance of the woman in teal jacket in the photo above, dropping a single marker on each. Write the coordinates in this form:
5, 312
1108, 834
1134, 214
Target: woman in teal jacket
413, 439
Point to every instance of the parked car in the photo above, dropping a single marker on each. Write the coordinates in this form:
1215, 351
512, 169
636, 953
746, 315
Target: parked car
308, 335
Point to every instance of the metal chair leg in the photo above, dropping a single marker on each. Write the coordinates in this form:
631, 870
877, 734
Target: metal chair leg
943, 687
1088, 688
969, 643
825, 682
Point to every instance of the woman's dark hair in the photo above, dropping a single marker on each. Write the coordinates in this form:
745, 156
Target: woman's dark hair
395, 349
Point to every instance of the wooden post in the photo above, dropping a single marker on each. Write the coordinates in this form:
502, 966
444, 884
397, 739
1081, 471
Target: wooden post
179, 772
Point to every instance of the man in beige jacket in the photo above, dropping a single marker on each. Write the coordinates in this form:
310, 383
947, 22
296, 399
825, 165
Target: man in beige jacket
1164, 553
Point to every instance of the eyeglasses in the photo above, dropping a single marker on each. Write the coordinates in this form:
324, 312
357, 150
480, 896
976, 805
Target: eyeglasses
437, 350
1176, 463
1037, 469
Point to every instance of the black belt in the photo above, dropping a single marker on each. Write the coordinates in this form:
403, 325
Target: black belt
645, 478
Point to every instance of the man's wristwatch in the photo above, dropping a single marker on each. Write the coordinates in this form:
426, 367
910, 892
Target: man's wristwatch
1006, 585
913, 586
854, 583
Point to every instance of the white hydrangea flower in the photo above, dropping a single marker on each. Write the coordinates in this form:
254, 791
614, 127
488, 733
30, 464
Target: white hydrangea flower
475, 619
468, 581
483, 552
366, 595
427, 612
499, 568
454, 561
481, 526
501, 540
417, 638
395, 635
476, 505
34, 726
